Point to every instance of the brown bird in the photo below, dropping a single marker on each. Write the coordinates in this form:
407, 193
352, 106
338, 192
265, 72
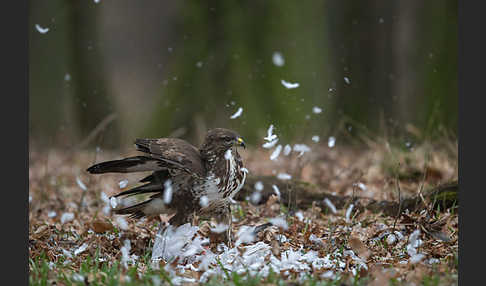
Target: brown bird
195, 181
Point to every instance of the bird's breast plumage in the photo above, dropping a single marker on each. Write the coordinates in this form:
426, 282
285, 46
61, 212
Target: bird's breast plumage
224, 177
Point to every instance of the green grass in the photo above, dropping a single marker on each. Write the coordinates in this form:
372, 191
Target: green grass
94, 272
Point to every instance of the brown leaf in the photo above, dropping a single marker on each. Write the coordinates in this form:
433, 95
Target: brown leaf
40, 231
275, 247
359, 247
100, 226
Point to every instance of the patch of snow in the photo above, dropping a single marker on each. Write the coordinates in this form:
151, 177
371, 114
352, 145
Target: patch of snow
289, 85
287, 150
284, 176
433, 260
316, 240
279, 222
276, 191
278, 59
81, 184
67, 217
330, 205
78, 277
245, 234
399, 235
414, 239
348, 212
66, 253
362, 186
416, 258
237, 113
315, 138
300, 216
255, 197
123, 183
167, 191
41, 29
228, 155
391, 239
270, 144
220, 228
331, 141
259, 186
270, 136
113, 202
276, 153
126, 257
328, 275
316, 109
170, 241
51, 214
121, 222
302, 148
81, 249
204, 201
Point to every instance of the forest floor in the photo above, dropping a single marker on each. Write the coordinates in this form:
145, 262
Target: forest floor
75, 239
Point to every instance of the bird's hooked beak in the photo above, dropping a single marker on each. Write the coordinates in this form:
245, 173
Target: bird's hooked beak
240, 142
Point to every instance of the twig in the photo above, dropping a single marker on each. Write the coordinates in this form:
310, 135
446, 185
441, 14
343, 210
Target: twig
289, 189
100, 127
424, 177
397, 182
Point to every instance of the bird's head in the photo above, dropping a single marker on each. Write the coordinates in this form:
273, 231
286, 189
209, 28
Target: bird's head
219, 140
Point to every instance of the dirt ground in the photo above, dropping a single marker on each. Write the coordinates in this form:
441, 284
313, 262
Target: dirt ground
70, 219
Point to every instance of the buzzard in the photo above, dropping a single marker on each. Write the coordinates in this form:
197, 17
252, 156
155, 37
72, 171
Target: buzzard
203, 181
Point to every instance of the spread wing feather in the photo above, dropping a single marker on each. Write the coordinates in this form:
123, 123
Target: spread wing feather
128, 165
176, 152
166, 157
154, 184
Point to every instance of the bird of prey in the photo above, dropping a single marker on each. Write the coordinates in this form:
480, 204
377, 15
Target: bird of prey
203, 181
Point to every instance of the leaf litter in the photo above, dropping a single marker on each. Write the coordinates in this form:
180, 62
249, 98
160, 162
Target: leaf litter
325, 245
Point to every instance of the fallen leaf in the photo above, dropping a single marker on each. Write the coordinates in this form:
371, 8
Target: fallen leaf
359, 247
100, 226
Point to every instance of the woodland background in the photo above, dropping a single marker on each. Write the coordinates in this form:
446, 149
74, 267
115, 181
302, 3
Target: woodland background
179, 67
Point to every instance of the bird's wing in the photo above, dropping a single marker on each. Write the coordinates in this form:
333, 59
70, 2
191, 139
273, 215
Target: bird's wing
128, 165
177, 153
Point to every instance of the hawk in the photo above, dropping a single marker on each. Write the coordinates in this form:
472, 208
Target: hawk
203, 181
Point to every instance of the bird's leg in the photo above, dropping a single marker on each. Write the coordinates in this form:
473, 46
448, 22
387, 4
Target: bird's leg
223, 216
230, 225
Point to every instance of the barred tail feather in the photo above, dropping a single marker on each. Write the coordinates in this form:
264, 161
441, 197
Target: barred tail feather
132, 164
147, 188
135, 211
153, 206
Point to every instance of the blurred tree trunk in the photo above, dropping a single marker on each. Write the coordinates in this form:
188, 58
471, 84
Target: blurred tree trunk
92, 100
360, 39
400, 59
49, 91
222, 60
407, 88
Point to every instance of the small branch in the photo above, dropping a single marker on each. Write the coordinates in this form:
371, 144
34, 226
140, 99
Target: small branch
100, 127
397, 182
304, 194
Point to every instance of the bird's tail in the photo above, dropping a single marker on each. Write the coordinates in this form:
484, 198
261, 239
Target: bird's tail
150, 207
128, 165
135, 211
